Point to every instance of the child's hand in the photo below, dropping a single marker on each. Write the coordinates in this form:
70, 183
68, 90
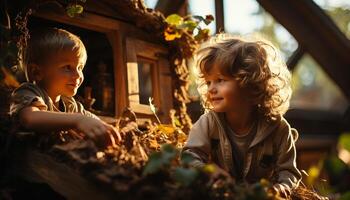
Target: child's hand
219, 173
97, 130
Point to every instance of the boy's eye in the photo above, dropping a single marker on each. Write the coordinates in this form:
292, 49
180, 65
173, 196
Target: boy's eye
220, 80
207, 83
66, 68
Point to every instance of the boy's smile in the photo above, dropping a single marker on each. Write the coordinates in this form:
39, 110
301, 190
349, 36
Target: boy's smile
63, 74
224, 93
216, 100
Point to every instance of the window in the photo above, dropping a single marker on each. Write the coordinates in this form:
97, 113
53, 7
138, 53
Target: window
151, 3
144, 72
141, 81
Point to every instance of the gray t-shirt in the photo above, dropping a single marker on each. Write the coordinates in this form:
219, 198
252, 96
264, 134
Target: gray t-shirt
29, 94
240, 145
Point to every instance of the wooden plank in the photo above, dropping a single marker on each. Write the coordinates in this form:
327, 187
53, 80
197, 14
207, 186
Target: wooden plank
317, 122
166, 90
41, 168
295, 57
117, 41
87, 20
219, 16
318, 34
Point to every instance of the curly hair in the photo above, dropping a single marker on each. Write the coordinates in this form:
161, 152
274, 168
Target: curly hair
256, 66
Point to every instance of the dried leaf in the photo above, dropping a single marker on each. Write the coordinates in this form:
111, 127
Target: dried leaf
170, 34
9, 79
167, 129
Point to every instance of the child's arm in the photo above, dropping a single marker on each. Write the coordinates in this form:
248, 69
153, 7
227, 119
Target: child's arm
198, 142
43, 121
287, 173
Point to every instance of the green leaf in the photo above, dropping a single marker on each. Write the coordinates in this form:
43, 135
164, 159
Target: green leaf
189, 25
185, 176
78, 9
345, 196
186, 159
174, 19
154, 163
344, 141
168, 153
70, 11
74, 9
335, 166
159, 160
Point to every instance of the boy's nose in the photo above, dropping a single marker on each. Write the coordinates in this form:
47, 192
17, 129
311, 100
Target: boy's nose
212, 89
76, 74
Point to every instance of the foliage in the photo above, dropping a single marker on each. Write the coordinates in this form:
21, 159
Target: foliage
177, 26
333, 168
341, 17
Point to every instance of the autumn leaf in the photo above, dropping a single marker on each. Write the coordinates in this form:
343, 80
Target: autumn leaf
170, 34
202, 34
9, 79
154, 144
167, 129
208, 19
209, 168
181, 136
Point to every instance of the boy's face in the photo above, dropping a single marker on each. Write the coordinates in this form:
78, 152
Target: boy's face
63, 73
224, 93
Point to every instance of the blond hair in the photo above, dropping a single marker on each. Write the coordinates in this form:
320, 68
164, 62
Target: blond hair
256, 66
45, 43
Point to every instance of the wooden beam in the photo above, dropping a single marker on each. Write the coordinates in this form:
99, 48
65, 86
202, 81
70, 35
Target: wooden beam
219, 16
318, 34
295, 57
87, 20
168, 7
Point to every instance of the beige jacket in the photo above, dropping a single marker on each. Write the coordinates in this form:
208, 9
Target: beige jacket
271, 154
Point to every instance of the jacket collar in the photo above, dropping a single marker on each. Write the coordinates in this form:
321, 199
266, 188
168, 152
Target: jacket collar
264, 129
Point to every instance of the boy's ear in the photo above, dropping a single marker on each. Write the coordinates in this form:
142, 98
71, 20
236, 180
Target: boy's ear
35, 72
